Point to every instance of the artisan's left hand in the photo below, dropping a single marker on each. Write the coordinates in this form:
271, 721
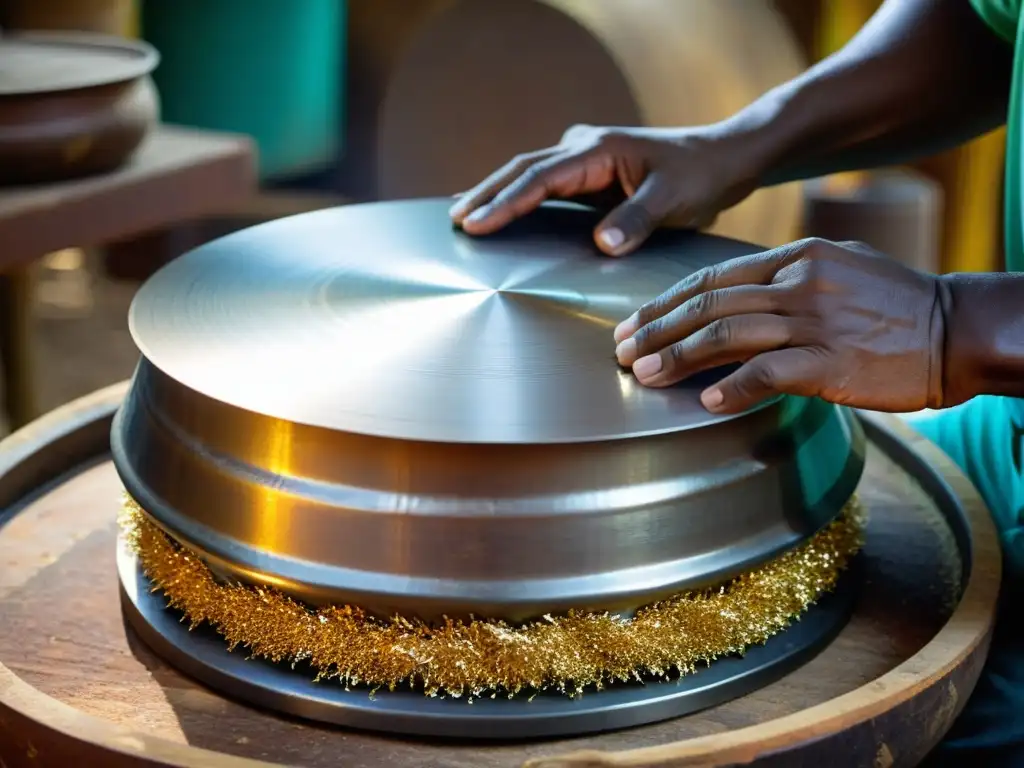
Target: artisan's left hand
813, 318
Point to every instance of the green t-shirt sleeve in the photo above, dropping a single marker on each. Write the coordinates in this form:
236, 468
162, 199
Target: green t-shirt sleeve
1001, 16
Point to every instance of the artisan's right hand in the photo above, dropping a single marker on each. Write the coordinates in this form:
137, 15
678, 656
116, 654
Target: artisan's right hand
672, 177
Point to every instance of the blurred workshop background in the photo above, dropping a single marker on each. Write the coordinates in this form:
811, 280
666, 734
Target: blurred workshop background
274, 107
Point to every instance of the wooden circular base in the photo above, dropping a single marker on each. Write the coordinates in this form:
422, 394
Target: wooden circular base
78, 688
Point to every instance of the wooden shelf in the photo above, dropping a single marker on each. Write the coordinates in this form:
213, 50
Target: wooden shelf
178, 174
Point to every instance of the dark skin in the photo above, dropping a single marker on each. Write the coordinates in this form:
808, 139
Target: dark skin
813, 318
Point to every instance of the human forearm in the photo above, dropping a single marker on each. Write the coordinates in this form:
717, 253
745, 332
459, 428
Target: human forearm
921, 76
983, 352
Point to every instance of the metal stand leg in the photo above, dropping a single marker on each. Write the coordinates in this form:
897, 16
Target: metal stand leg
16, 349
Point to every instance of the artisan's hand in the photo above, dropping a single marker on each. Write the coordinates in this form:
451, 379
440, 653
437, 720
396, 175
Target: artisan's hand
678, 177
813, 318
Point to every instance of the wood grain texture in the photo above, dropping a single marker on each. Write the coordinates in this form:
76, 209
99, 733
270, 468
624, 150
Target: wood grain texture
75, 682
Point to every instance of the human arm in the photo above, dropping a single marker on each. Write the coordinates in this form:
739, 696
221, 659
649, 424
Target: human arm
922, 75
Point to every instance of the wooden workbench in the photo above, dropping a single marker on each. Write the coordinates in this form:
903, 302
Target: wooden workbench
78, 687
178, 174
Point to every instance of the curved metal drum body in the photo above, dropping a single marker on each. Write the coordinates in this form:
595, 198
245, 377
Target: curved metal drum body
364, 406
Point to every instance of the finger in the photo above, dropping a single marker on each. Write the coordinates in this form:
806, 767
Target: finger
559, 176
483, 192
731, 340
792, 371
626, 227
577, 133
697, 313
601, 200
756, 269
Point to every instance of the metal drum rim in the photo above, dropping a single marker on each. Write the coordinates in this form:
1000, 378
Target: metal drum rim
157, 357
319, 582
491, 523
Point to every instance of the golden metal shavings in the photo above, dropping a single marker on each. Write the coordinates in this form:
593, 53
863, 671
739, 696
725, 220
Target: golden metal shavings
474, 658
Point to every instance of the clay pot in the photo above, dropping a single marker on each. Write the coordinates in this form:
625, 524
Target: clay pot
72, 104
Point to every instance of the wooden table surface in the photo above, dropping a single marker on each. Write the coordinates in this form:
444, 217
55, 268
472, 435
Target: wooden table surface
177, 174
77, 687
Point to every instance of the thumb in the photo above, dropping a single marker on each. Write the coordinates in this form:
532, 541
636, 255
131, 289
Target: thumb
631, 223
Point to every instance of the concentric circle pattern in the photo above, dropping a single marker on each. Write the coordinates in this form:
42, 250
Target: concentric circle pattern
385, 320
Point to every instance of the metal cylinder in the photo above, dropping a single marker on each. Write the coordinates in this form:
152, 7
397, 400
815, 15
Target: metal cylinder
363, 406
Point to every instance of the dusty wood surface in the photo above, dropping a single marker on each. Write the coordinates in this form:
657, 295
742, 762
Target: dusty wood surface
75, 681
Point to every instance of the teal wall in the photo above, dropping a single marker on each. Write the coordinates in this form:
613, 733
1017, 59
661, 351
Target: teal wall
272, 69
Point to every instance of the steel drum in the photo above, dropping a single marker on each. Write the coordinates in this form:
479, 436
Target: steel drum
364, 405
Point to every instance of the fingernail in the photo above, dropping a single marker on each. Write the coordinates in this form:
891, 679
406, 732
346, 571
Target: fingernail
712, 398
478, 215
646, 367
612, 238
626, 328
625, 352
457, 210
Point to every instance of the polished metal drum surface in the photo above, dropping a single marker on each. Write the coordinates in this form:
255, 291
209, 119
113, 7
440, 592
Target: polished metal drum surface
366, 405
382, 320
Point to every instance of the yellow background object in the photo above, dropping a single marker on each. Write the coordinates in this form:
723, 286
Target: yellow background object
971, 176
131, 24
110, 17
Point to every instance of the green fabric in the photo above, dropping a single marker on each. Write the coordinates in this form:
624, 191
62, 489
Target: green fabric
1003, 17
1000, 15
986, 438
